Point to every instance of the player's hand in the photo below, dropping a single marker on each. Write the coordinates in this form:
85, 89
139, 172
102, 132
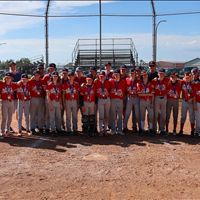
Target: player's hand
51, 108
152, 106
95, 107
61, 107
65, 107
83, 108
190, 100
195, 107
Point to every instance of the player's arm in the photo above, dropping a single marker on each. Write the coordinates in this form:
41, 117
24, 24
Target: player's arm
49, 100
195, 104
63, 99
152, 99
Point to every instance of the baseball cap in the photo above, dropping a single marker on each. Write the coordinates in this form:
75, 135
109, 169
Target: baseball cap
117, 71
92, 68
187, 74
71, 73
55, 73
152, 63
123, 67
52, 65
64, 70
138, 67
108, 63
36, 72
144, 72
40, 66
161, 70
89, 76
8, 74
12, 63
102, 73
195, 70
79, 69
24, 76
132, 70
174, 74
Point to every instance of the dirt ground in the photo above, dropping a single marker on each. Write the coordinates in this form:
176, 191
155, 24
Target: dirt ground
115, 167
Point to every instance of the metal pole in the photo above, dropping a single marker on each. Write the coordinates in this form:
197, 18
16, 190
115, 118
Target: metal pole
100, 34
47, 35
154, 30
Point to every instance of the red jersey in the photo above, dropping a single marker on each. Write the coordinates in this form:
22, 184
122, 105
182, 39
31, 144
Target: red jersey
109, 75
173, 91
142, 89
117, 89
46, 80
196, 92
7, 93
103, 90
81, 80
131, 87
55, 91
23, 92
85, 89
71, 93
125, 77
160, 86
36, 88
187, 92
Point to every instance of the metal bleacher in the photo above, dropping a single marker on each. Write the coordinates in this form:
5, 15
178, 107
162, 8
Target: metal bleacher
118, 51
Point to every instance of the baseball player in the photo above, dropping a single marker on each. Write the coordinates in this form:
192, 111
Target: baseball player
63, 80
160, 100
118, 88
70, 96
88, 104
46, 80
79, 78
133, 99
146, 92
195, 75
103, 94
187, 102
53, 91
196, 96
173, 95
7, 104
36, 102
16, 77
23, 94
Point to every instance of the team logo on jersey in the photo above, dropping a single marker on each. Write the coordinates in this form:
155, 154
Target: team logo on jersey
119, 92
99, 90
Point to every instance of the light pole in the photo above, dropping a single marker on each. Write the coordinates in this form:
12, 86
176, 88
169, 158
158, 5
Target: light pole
156, 38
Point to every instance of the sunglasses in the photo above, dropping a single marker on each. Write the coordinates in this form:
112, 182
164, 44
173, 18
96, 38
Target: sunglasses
187, 74
151, 65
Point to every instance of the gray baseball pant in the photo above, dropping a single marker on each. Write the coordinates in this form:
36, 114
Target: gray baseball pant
185, 107
47, 118
143, 106
71, 110
23, 106
160, 104
15, 103
89, 108
197, 115
37, 109
116, 104
172, 103
104, 111
55, 116
134, 121
7, 108
132, 102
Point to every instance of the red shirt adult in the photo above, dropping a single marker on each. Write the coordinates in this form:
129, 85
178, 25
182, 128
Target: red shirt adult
142, 89
190, 86
55, 91
81, 80
118, 91
92, 92
131, 87
68, 91
196, 92
7, 93
23, 92
36, 88
160, 87
173, 91
103, 90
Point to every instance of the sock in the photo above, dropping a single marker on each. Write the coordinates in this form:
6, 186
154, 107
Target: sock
166, 126
182, 125
175, 126
151, 125
100, 125
192, 126
142, 125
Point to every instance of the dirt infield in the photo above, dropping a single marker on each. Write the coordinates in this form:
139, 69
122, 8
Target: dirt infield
115, 167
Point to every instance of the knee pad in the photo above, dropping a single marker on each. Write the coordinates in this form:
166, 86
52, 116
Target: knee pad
91, 118
84, 119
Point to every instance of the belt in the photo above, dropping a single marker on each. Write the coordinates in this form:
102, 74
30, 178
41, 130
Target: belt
103, 98
161, 97
185, 100
198, 101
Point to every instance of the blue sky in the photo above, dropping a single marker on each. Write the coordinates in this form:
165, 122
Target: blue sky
178, 38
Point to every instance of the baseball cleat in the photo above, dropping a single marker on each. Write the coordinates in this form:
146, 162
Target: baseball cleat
174, 132
105, 133
11, 130
113, 132
196, 136
192, 134
120, 133
164, 133
19, 134
53, 134
180, 133
1, 136
101, 134
28, 132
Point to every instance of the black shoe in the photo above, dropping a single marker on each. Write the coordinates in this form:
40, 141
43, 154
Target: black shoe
63, 127
54, 134
92, 134
41, 131
196, 136
141, 133
109, 128
11, 130
68, 133
47, 131
23, 129
134, 129
180, 133
96, 132
75, 133
33, 132
164, 133
152, 133
192, 134
125, 131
